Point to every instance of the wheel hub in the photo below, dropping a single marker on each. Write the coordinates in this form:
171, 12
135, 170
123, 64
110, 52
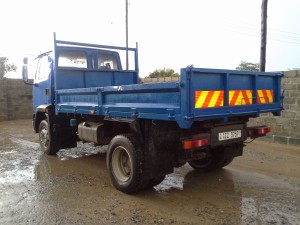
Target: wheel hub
121, 164
44, 137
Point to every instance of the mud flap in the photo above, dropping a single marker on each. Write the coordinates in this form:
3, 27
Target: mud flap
69, 140
161, 142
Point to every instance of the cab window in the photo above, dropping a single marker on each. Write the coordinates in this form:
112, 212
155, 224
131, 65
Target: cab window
76, 59
107, 61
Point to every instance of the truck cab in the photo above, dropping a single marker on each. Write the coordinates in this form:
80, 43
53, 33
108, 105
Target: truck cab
76, 68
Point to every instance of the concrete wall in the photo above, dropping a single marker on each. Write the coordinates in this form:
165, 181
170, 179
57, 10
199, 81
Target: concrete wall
15, 99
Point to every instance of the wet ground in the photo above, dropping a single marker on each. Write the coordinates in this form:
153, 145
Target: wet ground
261, 187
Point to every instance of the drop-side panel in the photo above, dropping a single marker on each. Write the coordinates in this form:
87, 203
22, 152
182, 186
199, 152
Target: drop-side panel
150, 101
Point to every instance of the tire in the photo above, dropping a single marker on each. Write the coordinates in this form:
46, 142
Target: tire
48, 144
202, 164
125, 163
227, 161
156, 181
220, 157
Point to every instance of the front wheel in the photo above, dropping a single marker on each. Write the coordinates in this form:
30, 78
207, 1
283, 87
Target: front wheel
125, 162
47, 142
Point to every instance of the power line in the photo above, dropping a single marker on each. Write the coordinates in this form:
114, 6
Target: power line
253, 30
270, 36
254, 26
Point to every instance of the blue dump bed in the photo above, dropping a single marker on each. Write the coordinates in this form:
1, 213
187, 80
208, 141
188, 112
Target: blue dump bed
201, 94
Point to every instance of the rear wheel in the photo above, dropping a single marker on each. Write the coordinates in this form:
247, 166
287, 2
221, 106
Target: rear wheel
201, 164
47, 142
156, 181
125, 162
218, 158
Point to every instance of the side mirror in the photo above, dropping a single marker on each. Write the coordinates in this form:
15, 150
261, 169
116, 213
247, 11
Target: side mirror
25, 71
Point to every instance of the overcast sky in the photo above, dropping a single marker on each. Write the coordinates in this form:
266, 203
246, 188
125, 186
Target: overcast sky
170, 33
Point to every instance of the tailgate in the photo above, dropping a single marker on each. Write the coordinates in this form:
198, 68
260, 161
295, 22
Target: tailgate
212, 93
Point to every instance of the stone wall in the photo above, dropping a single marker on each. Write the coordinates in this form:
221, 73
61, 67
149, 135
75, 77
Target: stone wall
15, 99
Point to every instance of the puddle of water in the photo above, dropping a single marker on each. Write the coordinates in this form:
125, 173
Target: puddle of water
19, 164
18, 175
28, 163
81, 150
174, 180
7, 152
266, 211
25, 143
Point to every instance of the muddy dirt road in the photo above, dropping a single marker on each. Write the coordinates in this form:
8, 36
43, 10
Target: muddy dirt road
262, 187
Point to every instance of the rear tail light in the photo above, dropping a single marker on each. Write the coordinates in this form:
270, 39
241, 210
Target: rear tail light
263, 130
258, 131
250, 132
190, 144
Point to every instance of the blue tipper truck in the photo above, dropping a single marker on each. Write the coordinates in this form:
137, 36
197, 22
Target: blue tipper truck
81, 92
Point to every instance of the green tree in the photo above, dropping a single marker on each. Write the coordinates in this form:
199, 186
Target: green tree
6, 67
248, 66
163, 73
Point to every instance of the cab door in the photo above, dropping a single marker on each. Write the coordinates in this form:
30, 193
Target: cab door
42, 93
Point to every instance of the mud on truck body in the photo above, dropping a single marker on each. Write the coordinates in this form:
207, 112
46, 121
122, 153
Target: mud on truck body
81, 92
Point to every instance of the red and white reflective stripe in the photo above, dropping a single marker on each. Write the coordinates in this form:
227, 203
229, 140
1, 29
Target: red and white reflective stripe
189, 144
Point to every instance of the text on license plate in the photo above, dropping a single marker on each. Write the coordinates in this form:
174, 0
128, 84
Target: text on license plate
230, 135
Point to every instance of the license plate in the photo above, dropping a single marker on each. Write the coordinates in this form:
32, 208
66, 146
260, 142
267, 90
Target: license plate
230, 135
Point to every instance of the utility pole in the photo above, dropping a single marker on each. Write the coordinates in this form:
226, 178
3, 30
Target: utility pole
263, 43
127, 62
